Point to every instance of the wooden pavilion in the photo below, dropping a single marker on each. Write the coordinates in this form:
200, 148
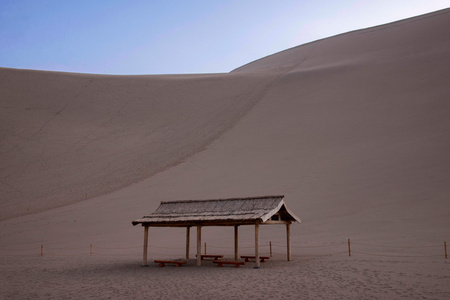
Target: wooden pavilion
266, 210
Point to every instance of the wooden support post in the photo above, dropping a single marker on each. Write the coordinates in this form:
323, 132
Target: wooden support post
288, 241
145, 264
257, 262
42, 249
188, 239
236, 242
270, 244
349, 248
199, 245
445, 249
205, 248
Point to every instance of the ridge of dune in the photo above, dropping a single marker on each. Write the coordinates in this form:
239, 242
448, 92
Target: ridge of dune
361, 41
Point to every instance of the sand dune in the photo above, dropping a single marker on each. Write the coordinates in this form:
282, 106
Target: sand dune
353, 129
69, 137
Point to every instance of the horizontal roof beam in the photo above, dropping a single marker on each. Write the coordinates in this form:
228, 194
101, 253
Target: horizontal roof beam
183, 224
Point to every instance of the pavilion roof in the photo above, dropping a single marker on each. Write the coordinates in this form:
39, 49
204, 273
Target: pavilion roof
237, 211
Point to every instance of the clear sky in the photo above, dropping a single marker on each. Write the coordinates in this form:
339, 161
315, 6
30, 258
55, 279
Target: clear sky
176, 37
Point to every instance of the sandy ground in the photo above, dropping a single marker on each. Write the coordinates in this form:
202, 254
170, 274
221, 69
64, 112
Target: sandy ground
353, 130
327, 277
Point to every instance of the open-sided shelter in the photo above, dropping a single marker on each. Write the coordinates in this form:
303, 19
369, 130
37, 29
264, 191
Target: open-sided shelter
220, 212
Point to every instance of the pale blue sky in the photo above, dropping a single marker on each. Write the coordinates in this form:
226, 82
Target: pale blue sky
175, 37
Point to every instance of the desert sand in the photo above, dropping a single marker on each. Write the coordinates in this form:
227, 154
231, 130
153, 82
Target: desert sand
352, 129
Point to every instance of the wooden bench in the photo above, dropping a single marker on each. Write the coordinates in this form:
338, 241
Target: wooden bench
177, 263
261, 258
214, 257
220, 263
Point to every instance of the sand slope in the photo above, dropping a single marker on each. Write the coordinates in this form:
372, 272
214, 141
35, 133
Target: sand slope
69, 137
353, 129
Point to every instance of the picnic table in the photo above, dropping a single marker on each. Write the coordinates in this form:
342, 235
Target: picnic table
249, 257
220, 263
177, 263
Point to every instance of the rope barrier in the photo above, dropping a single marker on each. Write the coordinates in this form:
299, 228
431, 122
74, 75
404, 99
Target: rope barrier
117, 248
318, 246
10, 249
115, 254
392, 255
158, 247
325, 246
64, 249
91, 250
391, 246
20, 255
327, 254
314, 255
135, 247
240, 247
60, 254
